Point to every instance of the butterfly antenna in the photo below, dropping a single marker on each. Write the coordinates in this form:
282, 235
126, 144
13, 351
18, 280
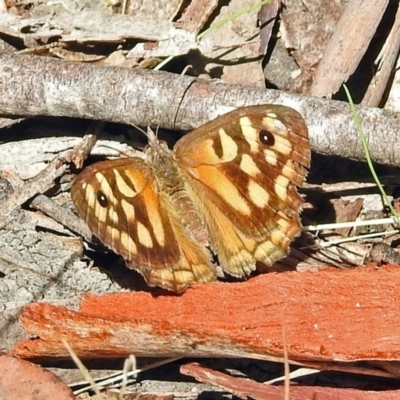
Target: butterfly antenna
140, 130
151, 135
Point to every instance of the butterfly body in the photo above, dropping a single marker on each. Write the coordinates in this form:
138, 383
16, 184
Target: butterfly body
230, 184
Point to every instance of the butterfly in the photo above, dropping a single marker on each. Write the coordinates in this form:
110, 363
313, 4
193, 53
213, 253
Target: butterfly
229, 186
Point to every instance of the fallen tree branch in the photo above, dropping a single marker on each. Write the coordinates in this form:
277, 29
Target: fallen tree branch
162, 99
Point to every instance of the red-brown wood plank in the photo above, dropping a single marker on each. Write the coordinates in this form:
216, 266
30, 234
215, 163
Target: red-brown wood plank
328, 315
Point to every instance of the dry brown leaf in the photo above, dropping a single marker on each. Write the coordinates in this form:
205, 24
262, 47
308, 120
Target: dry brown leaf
267, 17
346, 211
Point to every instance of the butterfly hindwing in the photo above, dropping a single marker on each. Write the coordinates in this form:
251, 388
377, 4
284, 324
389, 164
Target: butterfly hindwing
242, 170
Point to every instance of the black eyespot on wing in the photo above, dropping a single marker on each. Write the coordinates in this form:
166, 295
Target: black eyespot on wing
266, 137
102, 199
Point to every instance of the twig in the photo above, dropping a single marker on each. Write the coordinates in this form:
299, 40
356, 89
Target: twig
61, 215
80, 152
39, 184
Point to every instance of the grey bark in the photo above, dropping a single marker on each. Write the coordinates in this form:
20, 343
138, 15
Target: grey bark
31, 86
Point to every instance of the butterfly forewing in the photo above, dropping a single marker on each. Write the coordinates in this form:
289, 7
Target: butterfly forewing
243, 169
121, 204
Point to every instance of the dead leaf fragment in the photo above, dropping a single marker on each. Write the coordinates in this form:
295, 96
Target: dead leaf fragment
306, 28
346, 211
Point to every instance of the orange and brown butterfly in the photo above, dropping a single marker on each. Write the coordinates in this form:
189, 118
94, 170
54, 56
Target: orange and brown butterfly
230, 184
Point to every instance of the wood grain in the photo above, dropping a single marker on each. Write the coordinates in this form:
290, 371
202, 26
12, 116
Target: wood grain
347, 45
330, 315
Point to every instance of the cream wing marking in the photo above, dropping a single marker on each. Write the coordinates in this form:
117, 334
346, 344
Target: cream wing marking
250, 133
229, 147
248, 165
258, 195
123, 186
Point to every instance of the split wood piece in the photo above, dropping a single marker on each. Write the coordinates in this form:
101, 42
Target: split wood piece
245, 388
385, 64
329, 315
166, 100
196, 15
347, 45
